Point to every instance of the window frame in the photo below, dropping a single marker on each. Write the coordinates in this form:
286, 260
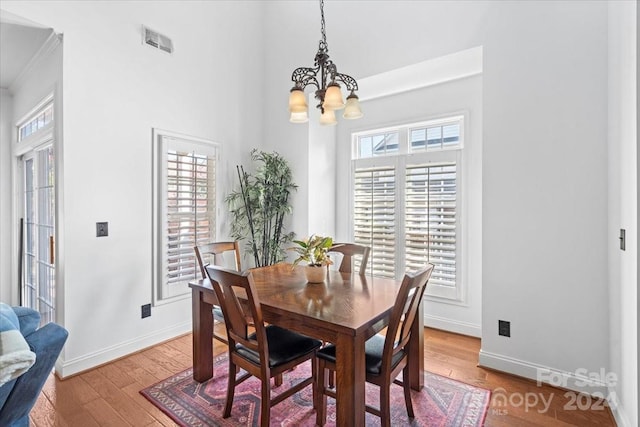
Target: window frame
400, 160
42, 135
163, 140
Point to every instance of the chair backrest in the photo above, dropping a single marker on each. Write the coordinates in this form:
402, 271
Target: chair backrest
348, 250
211, 253
404, 312
228, 284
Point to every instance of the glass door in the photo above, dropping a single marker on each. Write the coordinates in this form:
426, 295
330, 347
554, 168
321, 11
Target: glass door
38, 256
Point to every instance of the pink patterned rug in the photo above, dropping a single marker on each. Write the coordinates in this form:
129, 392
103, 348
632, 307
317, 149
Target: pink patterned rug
443, 402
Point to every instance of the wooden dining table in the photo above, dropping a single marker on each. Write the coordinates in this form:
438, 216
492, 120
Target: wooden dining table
347, 309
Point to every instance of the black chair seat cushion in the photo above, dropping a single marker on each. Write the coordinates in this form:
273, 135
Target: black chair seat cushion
284, 346
372, 358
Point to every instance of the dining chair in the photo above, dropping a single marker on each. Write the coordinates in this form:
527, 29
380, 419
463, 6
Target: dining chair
213, 253
265, 353
385, 356
348, 250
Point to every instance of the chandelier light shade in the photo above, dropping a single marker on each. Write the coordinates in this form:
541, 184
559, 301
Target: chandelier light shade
352, 109
333, 98
300, 117
297, 101
328, 117
326, 79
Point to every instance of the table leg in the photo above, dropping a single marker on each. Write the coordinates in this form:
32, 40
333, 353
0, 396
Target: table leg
202, 318
350, 381
416, 351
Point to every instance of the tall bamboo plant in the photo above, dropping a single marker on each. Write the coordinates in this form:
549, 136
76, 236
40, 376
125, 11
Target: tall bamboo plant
259, 207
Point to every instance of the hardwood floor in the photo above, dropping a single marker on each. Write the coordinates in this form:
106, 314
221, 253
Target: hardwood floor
109, 395
456, 356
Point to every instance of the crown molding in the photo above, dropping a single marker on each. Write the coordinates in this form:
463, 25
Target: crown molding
45, 50
431, 72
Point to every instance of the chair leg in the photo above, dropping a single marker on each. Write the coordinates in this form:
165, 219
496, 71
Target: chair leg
277, 380
314, 388
385, 412
231, 386
407, 391
321, 397
265, 403
332, 380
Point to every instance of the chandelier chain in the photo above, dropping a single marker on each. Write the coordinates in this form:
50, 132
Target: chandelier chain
322, 26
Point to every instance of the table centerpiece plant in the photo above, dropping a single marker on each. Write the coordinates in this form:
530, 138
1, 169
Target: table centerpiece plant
315, 251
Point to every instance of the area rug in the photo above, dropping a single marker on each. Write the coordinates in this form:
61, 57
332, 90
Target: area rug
443, 402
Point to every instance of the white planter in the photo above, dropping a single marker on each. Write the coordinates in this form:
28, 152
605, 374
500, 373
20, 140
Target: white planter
315, 274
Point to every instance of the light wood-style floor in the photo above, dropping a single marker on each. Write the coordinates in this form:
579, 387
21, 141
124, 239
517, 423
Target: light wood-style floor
109, 395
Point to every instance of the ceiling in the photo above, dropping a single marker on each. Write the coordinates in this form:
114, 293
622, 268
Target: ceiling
18, 44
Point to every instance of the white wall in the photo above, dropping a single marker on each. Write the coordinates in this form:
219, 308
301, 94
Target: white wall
545, 188
35, 83
323, 179
6, 289
115, 91
454, 97
622, 204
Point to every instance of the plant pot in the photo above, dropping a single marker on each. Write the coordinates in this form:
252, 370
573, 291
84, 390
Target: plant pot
315, 274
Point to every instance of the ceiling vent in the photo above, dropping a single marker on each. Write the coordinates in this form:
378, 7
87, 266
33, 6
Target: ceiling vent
156, 40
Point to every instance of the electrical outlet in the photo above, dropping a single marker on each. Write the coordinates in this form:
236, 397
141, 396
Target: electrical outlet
504, 328
146, 310
102, 229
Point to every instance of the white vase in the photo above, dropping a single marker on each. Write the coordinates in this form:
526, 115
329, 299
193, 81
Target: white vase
315, 274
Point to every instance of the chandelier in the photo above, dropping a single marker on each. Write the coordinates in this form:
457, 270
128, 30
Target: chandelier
326, 78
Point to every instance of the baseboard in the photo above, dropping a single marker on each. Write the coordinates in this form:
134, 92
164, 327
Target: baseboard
618, 411
563, 379
449, 325
74, 366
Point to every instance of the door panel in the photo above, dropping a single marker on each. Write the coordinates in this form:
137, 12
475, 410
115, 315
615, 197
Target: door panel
38, 289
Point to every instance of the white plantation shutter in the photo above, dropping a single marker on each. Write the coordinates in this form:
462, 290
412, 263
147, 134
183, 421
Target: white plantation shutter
430, 220
190, 211
374, 218
184, 209
406, 201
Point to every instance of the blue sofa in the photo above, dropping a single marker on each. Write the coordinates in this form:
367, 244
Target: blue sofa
18, 395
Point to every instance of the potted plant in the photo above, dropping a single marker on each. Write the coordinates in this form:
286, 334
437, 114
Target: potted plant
259, 208
314, 251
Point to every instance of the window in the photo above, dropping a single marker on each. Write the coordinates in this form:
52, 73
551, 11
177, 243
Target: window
406, 200
37, 121
185, 206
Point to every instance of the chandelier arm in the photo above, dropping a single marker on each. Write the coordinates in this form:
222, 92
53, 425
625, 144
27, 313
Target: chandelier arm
349, 82
332, 70
305, 76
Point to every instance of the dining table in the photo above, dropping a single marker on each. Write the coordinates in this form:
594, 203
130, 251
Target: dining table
346, 310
